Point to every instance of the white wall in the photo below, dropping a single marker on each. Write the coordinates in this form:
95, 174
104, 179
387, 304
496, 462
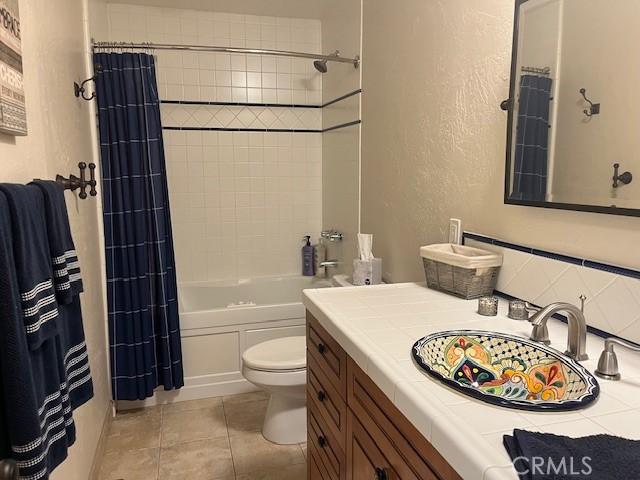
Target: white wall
341, 30
600, 59
60, 137
240, 202
433, 138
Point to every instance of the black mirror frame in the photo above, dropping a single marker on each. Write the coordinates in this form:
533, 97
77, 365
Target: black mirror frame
509, 104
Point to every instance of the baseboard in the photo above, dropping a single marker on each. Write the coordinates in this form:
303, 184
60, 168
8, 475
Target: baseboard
191, 392
102, 444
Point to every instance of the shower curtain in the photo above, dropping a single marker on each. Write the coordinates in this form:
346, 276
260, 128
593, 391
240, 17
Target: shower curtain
144, 327
532, 139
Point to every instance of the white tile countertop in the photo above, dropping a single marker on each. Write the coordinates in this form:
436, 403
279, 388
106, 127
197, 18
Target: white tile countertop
377, 326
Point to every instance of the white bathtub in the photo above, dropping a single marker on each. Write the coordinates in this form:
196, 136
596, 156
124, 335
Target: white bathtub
215, 304
220, 320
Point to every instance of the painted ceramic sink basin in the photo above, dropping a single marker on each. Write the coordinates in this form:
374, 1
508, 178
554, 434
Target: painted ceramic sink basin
506, 370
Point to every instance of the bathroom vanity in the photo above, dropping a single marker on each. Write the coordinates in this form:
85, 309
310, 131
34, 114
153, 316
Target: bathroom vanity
354, 430
373, 414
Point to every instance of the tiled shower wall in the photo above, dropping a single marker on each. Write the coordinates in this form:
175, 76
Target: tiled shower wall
240, 201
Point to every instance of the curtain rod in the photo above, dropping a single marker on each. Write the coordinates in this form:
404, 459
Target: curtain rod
335, 57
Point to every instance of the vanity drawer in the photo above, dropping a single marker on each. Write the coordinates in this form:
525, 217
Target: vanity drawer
325, 400
329, 356
330, 454
377, 413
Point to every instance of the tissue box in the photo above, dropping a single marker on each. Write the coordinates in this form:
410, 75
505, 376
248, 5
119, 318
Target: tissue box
367, 272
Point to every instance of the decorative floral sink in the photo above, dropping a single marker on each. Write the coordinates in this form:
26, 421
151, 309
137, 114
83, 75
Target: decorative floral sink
506, 370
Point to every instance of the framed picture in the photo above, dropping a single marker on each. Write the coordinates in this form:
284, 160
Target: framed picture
13, 115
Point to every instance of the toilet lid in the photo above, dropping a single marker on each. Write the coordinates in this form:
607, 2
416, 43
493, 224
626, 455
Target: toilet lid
281, 354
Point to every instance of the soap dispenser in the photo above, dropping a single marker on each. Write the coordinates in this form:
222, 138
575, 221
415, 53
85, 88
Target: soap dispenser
308, 255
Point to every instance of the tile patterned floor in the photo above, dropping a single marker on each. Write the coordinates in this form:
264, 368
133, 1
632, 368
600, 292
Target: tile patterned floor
209, 439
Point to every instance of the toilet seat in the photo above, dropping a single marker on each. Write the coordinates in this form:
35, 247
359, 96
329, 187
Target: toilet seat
281, 355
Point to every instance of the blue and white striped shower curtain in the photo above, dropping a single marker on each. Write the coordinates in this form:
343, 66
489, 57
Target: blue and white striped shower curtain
531, 155
144, 328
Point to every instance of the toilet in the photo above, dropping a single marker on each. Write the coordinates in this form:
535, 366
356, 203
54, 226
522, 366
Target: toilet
280, 367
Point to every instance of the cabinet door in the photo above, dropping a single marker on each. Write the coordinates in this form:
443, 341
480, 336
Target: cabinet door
365, 459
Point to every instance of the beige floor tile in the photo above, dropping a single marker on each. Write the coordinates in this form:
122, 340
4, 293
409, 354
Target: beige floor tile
201, 460
292, 472
252, 453
188, 426
192, 405
245, 397
245, 417
134, 429
130, 465
303, 446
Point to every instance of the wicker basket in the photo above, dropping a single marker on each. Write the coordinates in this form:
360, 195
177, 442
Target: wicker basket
465, 272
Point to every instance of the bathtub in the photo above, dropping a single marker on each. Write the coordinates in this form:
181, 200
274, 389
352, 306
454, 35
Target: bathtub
220, 320
215, 304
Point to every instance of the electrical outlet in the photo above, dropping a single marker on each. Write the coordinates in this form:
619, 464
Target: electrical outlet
455, 231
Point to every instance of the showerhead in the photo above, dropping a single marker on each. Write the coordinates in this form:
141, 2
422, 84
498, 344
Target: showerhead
321, 66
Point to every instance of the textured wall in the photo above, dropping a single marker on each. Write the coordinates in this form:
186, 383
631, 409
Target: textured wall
434, 73
59, 137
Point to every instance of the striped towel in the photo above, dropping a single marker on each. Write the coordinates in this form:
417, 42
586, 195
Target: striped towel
66, 268
39, 426
68, 285
33, 263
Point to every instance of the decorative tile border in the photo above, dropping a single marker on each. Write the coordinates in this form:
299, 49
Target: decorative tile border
541, 277
264, 105
555, 256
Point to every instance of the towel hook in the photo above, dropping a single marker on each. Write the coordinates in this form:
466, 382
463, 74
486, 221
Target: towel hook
624, 178
80, 89
594, 108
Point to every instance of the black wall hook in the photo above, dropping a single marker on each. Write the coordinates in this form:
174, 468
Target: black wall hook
624, 178
80, 89
594, 108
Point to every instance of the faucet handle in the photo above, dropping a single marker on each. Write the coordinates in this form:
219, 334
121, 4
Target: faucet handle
608, 362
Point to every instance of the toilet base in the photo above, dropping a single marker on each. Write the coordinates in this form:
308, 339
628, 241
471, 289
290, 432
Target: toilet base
285, 422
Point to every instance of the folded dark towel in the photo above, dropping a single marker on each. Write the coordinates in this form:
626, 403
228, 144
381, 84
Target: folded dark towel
544, 456
66, 268
68, 285
33, 261
35, 399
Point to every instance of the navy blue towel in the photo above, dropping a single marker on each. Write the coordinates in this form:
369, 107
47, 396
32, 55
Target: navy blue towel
33, 264
544, 456
39, 426
68, 285
66, 267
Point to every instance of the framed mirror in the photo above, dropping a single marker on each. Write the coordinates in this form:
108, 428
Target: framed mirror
573, 134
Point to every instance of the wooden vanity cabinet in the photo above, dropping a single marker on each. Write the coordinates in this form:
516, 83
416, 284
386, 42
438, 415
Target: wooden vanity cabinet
354, 431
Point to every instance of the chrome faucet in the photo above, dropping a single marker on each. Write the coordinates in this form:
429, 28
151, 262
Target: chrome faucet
608, 362
332, 235
577, 339
329, 263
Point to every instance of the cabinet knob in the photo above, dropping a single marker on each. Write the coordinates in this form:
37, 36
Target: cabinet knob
322, 396
322, 441
321, 348
381, 474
